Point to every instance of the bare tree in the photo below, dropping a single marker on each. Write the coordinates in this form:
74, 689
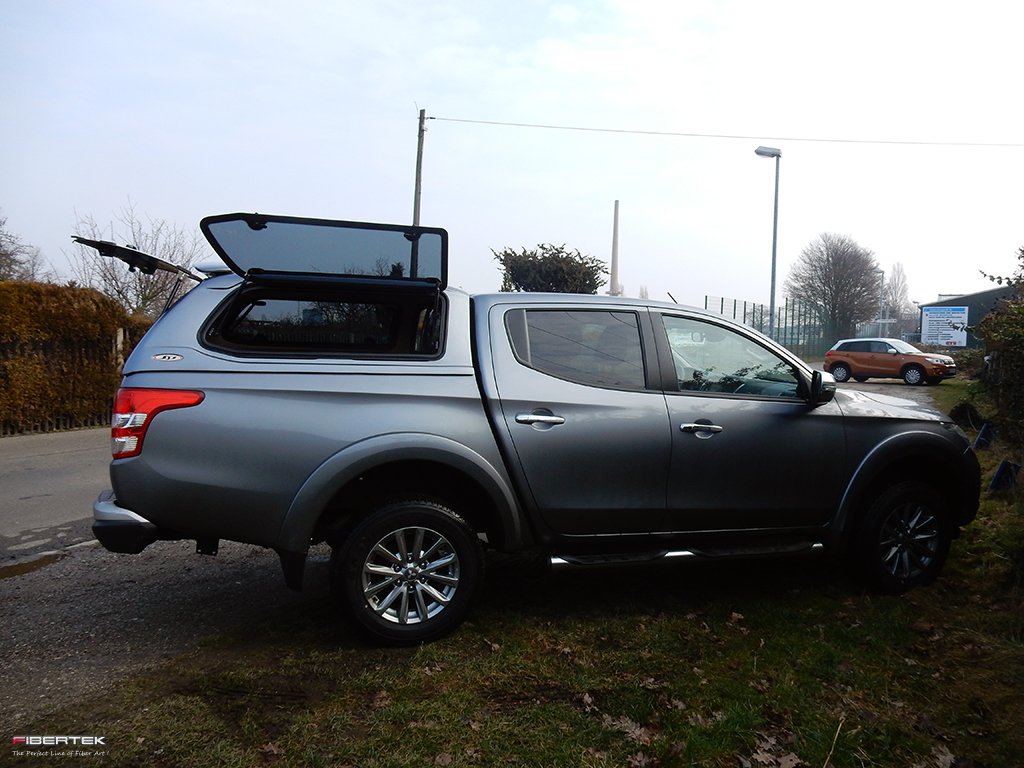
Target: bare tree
19, 261
138, 293
841, 279
896, 302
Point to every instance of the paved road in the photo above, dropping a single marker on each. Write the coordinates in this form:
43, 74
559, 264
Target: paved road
47, 486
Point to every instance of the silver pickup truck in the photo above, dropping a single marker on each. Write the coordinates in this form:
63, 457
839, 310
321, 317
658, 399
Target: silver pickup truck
328, 386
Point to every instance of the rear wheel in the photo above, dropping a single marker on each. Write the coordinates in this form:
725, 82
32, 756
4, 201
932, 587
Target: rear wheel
904, 539
913, 374
840, 372
408, 573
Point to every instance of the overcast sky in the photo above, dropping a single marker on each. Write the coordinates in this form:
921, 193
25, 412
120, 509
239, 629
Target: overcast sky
310, 108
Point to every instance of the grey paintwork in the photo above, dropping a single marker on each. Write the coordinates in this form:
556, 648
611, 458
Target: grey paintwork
275, 438
278, 440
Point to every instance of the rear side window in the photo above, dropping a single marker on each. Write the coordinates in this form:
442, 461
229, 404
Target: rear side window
854, 346
259, 322
593, 347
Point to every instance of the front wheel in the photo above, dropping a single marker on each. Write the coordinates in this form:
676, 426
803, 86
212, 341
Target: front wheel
913, 374
904, 538
408, 573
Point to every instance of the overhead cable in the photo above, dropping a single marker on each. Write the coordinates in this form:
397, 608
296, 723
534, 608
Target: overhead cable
594, 129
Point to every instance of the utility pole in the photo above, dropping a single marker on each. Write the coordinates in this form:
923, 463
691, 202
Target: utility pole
419, 170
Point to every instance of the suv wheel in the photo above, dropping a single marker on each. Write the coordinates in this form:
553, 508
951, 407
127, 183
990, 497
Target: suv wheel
840, 372
913, 374
408, 573
904, 539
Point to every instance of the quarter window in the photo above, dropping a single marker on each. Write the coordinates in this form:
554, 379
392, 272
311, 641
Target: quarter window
329, 324
594, 347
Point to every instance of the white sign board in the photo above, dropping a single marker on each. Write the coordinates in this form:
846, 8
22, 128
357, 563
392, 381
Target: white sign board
944, 326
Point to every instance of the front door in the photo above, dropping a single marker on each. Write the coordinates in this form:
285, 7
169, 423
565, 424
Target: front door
747, 451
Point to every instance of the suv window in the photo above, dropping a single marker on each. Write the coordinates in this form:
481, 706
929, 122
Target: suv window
262, 321
879, 347
594, 347
855, 346
710, 358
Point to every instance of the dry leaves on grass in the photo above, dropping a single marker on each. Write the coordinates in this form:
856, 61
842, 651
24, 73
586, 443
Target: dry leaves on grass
635, 732
771, 754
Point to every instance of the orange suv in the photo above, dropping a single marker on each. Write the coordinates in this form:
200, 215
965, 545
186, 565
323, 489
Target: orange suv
863, 359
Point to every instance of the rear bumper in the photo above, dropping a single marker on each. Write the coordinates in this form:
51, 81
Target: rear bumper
119, 529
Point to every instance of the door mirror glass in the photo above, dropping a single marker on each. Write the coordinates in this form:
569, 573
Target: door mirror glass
823, 388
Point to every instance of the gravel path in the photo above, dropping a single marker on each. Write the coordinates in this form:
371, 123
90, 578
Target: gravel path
91, 618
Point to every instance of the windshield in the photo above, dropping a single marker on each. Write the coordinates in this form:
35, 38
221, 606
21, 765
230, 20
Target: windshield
906, 349
255, 242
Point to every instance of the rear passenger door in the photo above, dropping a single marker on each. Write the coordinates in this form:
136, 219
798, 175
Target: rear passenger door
884, 359
589, 436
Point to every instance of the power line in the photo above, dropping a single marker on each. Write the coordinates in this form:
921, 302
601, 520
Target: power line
592, 129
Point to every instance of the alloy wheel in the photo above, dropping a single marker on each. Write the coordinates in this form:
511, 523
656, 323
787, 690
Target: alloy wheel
909, 541
410, 576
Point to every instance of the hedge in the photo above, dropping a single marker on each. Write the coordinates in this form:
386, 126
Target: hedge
61, 351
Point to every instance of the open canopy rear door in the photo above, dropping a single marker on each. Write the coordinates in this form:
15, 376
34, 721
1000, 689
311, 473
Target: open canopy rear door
268, 248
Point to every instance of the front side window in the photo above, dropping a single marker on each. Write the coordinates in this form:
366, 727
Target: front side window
594, 347
711, 358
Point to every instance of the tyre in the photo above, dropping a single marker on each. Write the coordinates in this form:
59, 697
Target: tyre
840, 372
904, 538
913, 374
860, 379
408, 573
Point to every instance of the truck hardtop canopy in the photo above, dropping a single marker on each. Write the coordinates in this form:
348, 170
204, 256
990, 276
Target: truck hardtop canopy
267, 248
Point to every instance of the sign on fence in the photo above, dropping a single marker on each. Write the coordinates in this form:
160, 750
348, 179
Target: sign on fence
944, 326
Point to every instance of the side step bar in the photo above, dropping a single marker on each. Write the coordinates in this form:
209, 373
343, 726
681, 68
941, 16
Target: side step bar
562, 561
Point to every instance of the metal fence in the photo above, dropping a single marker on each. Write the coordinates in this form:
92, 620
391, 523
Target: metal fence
797, 325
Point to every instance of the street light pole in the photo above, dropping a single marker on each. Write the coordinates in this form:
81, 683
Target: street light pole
777, 154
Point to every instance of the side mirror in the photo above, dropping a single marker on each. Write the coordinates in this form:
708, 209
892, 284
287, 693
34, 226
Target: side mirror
823, 388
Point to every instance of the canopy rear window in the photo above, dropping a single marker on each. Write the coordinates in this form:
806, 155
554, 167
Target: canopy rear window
256, 244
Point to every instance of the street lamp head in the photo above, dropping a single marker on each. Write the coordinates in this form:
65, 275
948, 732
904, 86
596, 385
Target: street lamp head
768, 152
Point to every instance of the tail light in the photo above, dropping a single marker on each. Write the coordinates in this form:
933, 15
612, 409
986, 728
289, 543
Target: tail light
134, 411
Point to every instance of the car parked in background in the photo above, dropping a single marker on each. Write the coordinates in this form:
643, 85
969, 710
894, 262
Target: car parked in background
863, 359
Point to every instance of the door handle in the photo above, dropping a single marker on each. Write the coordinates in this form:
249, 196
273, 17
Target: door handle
700, 428
539, 418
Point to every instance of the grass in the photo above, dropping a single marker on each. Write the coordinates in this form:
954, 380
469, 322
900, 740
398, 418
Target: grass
770, 663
